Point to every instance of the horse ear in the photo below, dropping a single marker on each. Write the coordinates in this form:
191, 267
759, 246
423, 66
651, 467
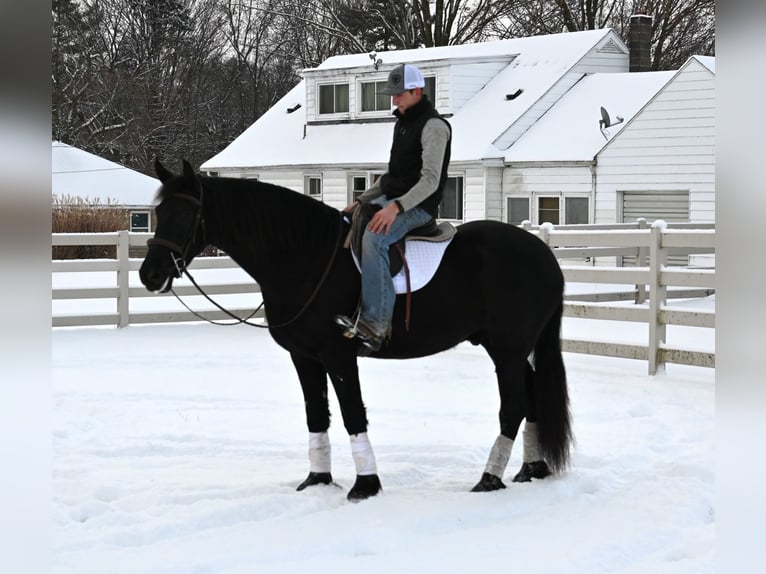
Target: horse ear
161, 170
188, 171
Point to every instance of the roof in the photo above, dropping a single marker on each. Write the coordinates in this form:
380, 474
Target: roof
570, 130
78, 173
278, 138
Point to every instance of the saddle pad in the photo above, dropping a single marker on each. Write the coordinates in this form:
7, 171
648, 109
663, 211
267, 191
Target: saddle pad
423, 258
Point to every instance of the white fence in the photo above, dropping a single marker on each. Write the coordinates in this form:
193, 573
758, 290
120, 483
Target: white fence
581, 249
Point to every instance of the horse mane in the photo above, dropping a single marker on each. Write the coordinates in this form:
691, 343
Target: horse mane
276, 216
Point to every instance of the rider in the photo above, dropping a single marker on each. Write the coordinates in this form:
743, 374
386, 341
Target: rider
409, 194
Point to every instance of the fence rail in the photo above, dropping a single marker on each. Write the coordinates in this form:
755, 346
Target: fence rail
581, 249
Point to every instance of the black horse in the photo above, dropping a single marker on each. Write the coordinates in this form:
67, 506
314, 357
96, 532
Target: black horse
498, 286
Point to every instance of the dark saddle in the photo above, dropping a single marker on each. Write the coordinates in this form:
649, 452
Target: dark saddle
431, 231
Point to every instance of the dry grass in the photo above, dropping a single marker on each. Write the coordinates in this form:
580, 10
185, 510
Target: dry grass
82, 215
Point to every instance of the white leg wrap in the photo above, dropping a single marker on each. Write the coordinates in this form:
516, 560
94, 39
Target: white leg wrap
364, 458
499, 456
319, 452
531, 444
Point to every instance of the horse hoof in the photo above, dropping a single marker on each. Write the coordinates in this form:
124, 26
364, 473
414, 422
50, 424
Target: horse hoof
315, 478
530, 470
365, 486
488, 483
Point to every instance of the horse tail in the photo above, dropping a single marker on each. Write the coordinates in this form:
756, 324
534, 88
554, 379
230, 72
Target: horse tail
554, 431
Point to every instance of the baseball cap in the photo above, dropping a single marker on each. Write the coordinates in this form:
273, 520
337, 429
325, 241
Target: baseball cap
403, 77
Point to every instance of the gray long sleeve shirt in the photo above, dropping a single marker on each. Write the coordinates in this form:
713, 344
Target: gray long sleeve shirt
434, 139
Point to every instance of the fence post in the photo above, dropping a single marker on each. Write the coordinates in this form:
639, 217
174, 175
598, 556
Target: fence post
657, 295
545, 233
640, 262
123, 278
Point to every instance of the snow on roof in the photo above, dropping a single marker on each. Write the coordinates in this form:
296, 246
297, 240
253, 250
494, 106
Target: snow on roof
570, 130
278, 138
78, 173
542, 48
707, 61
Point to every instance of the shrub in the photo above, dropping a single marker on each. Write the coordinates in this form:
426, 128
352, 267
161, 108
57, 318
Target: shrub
81, 215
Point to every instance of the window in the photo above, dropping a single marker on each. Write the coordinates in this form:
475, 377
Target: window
451, 206
372, 101
139, 221
575, 210
357, 184
548, 210
312, 186
333, 99
518, 210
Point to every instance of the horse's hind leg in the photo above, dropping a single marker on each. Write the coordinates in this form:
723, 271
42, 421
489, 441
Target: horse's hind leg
313, 378
511, 370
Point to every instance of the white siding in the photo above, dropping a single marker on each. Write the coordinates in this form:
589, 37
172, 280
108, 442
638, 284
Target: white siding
493, 183
536, 181
668, 146
474, 198
608, 56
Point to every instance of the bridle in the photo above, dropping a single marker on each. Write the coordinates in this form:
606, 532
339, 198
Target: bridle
177, 252
179, 255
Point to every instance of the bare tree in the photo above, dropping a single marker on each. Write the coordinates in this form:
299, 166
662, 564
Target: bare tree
680, 28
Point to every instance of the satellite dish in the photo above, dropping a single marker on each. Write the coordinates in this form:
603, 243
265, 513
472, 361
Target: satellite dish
606, 122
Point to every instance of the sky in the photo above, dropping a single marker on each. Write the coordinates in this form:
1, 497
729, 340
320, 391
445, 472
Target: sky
177, 449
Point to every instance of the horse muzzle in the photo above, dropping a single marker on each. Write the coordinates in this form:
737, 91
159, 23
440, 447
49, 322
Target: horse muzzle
158, 278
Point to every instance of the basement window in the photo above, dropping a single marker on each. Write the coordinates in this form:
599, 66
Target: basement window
140, 222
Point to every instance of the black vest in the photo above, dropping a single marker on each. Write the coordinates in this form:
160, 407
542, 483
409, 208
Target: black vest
406, 159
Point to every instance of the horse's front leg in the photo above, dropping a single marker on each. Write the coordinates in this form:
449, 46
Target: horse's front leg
344, 375
313, 378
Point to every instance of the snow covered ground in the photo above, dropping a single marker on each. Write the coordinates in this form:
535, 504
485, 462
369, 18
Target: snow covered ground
177, 449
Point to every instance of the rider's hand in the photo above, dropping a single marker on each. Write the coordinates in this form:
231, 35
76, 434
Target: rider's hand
383, 218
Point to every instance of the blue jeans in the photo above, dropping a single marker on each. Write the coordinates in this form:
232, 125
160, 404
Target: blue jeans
378, 296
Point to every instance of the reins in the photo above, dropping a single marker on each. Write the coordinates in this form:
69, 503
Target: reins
180, 263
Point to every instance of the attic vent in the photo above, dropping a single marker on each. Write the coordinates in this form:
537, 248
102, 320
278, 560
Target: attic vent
610, 48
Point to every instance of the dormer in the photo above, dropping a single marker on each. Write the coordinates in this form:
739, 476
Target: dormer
350, 94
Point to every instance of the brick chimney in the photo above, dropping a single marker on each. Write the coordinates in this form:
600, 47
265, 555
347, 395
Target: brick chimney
640, 43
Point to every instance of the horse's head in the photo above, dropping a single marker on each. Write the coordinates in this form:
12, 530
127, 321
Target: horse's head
180, 230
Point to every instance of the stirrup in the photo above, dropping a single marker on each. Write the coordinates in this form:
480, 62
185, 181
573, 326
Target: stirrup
351, 329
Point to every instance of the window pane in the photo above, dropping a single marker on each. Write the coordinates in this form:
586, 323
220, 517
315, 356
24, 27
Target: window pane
139, 221
576, 210
358, 185
451, 206
341, 98
518, 210
326, 99
313, 186
430, 88
548, 210
368, 96
383, 102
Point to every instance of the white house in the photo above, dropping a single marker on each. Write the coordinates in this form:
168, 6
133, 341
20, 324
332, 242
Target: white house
525, 116
79, 174
662, 163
